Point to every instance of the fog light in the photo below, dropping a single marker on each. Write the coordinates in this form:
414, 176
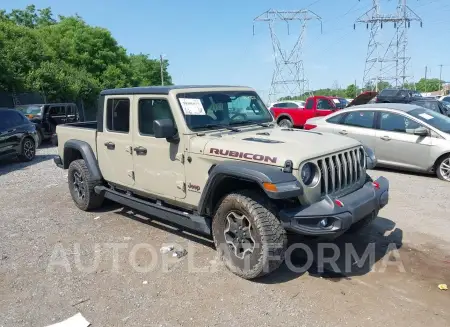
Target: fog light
323, 222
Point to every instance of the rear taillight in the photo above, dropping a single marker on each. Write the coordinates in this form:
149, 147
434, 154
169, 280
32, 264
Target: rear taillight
309, 126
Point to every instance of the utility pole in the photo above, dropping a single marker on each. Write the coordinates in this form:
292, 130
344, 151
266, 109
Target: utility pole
440, 77
288, 78
426, 71
162, 69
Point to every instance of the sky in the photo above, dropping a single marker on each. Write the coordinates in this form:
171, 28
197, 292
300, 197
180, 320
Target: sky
214, 42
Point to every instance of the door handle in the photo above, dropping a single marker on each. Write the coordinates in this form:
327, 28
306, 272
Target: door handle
110, 145
343, 132
140, 150
385, 138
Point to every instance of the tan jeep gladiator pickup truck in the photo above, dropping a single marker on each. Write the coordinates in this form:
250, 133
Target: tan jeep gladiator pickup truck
211, 159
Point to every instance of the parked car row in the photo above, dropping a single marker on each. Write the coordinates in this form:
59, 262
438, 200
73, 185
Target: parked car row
402, 136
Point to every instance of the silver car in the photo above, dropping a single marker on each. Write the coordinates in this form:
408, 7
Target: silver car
402, 136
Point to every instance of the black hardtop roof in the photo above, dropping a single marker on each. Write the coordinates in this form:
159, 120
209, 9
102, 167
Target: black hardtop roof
159, 89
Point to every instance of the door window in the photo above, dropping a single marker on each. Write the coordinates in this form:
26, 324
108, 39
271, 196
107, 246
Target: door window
118, 115
291, 105
362, 119
396, 123
309, 104
324, 104
151, 110
57, 111
335, 119
279, 105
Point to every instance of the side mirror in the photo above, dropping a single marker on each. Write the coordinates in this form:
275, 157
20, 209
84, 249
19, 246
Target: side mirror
421, 131
164, 128
371, 160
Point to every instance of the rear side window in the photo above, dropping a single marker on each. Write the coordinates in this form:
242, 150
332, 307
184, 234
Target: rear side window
279, 105
362, 119
291, 105
309, 104
387, 92
324, 104
335, 119
118, 115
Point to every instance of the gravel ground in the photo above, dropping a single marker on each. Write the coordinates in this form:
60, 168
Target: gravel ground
56, 260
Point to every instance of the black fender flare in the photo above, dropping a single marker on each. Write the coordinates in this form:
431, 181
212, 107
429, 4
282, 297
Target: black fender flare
86, 153
287, 185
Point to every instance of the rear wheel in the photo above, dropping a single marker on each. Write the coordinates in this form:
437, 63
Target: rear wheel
81, 186
285, 123
249, 239
28, 149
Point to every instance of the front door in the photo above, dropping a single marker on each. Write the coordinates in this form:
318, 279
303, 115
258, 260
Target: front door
158, 163
324, 107
56, 115
114, 143
397, 146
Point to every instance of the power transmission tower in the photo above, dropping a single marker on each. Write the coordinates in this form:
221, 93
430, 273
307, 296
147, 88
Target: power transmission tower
289, 74
387, 63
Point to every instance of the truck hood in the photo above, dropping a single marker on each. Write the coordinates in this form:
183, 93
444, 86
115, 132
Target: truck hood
271, 146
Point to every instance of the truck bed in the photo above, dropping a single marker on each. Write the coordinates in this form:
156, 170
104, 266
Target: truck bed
80, 131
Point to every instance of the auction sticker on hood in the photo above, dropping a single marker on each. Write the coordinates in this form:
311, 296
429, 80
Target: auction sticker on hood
192, 106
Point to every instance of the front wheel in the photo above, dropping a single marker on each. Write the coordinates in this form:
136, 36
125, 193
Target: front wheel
249, 239
285, 123
443, 169
81, 186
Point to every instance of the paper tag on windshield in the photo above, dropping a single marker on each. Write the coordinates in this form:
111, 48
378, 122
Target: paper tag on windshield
192, 106
336, 100
426, 116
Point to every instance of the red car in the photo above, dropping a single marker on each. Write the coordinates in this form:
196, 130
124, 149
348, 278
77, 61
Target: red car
315, 106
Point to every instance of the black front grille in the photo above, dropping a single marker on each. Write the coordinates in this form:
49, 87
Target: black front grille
342, 170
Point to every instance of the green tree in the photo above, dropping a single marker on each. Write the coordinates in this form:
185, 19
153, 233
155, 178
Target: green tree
66, 58
351, 91
428, 85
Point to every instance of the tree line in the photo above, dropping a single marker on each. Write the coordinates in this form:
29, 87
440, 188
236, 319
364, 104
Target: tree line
351, 91
65, 59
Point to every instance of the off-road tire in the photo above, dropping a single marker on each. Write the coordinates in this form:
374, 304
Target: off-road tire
366, 221
285, 123
27, 149
438, 168
90, 200
268, 233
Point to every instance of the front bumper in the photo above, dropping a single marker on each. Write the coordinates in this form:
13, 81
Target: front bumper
340, 213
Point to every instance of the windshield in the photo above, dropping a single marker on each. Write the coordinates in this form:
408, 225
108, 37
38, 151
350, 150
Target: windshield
432, 118
340, 103
206, 110
30, 110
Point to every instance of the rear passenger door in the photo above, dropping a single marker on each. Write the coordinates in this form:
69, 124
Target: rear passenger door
114, 142
359, 125
10, 131
157, 163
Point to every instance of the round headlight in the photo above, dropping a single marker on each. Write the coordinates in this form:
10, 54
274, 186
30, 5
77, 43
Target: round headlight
308, 173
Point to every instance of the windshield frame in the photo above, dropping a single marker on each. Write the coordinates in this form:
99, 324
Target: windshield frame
225, 123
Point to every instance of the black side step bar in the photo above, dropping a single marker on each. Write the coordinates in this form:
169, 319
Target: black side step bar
193, 222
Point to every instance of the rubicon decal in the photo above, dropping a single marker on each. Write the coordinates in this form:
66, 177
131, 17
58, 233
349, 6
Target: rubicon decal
245, 155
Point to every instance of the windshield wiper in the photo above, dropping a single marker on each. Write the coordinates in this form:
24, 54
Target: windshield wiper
221, 126
250, 122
